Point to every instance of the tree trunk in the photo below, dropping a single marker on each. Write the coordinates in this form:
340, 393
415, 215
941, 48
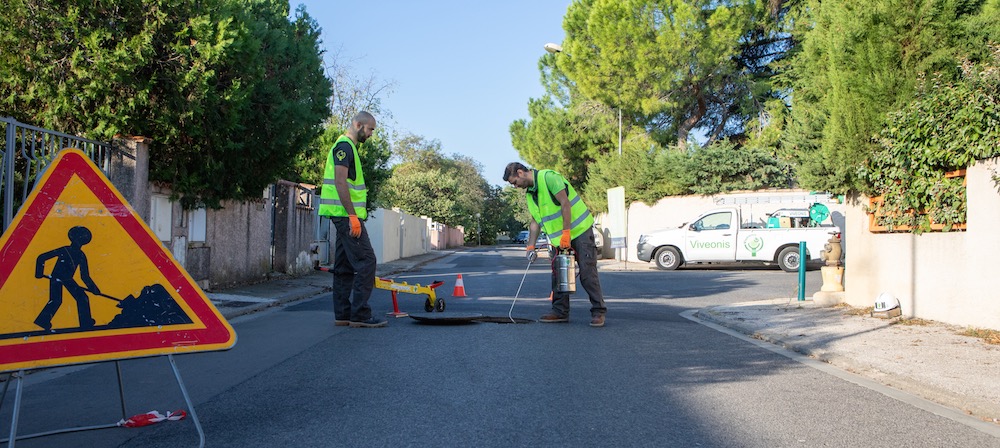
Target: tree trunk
689, 123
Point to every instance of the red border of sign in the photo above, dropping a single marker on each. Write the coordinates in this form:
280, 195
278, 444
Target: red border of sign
217, 334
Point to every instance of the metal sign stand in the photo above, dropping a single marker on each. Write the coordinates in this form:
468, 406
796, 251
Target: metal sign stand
19, 377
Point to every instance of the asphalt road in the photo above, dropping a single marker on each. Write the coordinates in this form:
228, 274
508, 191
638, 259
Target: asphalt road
650, 377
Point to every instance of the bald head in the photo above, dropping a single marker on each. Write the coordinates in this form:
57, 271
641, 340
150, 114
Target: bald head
364, 117
362, 127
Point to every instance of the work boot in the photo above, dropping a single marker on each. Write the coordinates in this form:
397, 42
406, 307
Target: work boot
597, 320
553, 318
372, 322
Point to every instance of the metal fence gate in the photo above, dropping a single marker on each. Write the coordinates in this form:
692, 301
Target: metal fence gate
28, 150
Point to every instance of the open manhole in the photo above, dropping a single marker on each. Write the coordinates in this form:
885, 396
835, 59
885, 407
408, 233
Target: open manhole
452, 318
503, 320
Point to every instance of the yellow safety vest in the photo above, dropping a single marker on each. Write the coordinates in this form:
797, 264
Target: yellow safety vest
329, 200
548, 213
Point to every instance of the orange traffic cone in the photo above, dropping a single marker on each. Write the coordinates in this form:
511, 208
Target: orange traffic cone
459, 287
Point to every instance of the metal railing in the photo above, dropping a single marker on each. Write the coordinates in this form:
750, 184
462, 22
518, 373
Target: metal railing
26, 153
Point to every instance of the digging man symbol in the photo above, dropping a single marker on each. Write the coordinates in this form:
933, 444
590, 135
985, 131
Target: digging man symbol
68, 260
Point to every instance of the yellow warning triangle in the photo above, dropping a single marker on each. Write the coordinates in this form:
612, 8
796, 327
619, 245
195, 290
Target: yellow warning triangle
84, 279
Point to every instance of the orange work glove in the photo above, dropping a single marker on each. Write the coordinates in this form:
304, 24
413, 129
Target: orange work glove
355, 226
530, 254
564, 241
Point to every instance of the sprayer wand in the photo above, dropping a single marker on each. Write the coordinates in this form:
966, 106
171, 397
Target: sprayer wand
510, 313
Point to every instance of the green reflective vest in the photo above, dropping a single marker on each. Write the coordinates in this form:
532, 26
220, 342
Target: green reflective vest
329, 200
548, 213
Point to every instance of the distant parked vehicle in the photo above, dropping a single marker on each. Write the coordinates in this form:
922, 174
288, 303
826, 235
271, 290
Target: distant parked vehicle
542, 243
722, 236
521, 237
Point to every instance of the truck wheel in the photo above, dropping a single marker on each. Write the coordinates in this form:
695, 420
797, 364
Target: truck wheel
667, 258
788, 259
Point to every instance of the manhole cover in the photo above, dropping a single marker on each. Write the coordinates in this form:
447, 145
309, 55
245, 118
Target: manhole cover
445, 318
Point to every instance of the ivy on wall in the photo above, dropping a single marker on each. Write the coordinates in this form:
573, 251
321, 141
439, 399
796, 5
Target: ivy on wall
946, 128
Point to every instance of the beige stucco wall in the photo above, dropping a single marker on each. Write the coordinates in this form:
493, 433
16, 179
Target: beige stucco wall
949, 277
239, 241
444, 237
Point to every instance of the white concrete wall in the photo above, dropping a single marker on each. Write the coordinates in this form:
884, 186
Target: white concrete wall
414, 238
944, 276
673, 211
395, 234
383, 230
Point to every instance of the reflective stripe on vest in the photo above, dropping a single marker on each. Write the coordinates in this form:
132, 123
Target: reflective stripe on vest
548, 213
329, 200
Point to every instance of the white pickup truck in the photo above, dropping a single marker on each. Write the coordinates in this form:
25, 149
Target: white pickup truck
717, 236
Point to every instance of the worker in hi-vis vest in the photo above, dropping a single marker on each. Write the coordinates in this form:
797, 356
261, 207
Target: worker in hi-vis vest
344, 198
559, 212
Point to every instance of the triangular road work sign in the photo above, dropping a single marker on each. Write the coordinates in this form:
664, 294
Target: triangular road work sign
84, 279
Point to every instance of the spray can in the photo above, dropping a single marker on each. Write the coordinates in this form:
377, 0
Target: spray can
565, 269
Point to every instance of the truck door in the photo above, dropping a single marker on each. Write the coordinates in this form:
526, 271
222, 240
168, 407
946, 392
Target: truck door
712, 238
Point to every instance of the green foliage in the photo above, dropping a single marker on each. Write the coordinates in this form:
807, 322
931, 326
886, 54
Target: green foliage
980, 28
229, 91
858, 61
499, 215
567, 140
671, 67
724, 167
449, 189
947, 126
515, 216
647, 173
60, 64
675, 65
428, 192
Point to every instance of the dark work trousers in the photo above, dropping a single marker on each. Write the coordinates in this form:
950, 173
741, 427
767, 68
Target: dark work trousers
586, 259
353, 272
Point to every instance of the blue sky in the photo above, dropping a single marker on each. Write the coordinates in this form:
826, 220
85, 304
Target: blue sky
463, 70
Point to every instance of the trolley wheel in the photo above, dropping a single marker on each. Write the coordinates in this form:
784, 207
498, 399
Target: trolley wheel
427, 305
440, 305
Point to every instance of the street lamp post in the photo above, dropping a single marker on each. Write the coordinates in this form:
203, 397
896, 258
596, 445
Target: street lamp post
556, 48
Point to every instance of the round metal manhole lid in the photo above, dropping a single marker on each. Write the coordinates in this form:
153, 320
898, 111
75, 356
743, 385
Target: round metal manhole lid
445, 318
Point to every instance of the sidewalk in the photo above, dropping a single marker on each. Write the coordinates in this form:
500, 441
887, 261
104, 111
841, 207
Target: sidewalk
927, 359
234, 302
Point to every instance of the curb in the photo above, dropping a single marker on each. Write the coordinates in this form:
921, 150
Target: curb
234, 312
